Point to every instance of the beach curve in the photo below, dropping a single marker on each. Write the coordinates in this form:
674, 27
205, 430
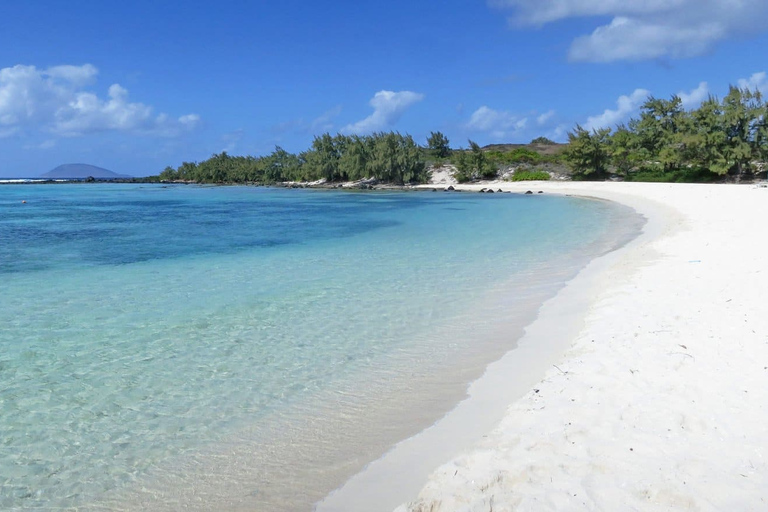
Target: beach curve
658, 400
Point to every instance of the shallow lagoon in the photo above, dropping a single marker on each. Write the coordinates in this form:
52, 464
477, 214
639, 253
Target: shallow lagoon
223, 344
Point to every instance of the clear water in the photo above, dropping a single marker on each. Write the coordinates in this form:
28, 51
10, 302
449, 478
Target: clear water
224, 344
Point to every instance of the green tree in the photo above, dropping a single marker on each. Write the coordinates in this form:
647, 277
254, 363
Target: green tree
704, 140
187, 171
463, 172
587, 152
322, 160
216, 169
280, 166
480, 163
623, 150
395, 158
657, 129
353, 163
169, 174
412, 166
473, 164
438, 145
760, 134
743, 113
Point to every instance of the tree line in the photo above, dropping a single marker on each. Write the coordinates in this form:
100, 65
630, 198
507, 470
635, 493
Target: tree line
669, 143
386, 157
665, 143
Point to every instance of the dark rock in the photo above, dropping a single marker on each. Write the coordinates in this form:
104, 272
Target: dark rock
528, 192
450, 187
541, 191
499, 190
489, 191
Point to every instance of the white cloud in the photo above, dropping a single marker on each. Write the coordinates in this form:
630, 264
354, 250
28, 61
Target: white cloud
78, 76
559, 134
190, 120
388, 108
499, 124
539, 12
7, 131
546, 116
757, 82
324, 123
634, 39
230, 140
53, 100
321, 124
645, 29
46, 144
694, 98
625, 107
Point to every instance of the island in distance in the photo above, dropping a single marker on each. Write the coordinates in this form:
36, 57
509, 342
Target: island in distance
80, 171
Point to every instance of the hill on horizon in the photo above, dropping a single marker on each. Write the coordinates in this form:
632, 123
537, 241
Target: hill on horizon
82, 171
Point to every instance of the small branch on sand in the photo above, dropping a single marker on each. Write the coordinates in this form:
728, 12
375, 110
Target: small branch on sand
682, 354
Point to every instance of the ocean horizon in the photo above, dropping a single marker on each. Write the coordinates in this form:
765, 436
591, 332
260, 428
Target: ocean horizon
17, 181
40, 180
179, 344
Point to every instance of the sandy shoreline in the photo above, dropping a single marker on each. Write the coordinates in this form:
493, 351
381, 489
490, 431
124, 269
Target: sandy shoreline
658, 399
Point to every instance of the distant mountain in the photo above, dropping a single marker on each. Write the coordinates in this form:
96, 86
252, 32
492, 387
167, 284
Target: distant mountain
82, 171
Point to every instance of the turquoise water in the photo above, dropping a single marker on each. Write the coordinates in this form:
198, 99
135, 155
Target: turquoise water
153, 336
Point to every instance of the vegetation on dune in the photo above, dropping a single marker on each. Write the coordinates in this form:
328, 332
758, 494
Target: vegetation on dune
668, 143
527, 161
438, 145
387, 157
727, 137
473, 164
587, 152
521, 155
523, 175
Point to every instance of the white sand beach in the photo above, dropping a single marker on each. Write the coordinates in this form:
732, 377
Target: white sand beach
654, 395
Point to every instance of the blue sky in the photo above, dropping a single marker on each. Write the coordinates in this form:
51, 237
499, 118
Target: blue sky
135, 86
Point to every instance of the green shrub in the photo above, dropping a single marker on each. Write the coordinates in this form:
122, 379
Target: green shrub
516, 156
473, 164
529, 176
673, 176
